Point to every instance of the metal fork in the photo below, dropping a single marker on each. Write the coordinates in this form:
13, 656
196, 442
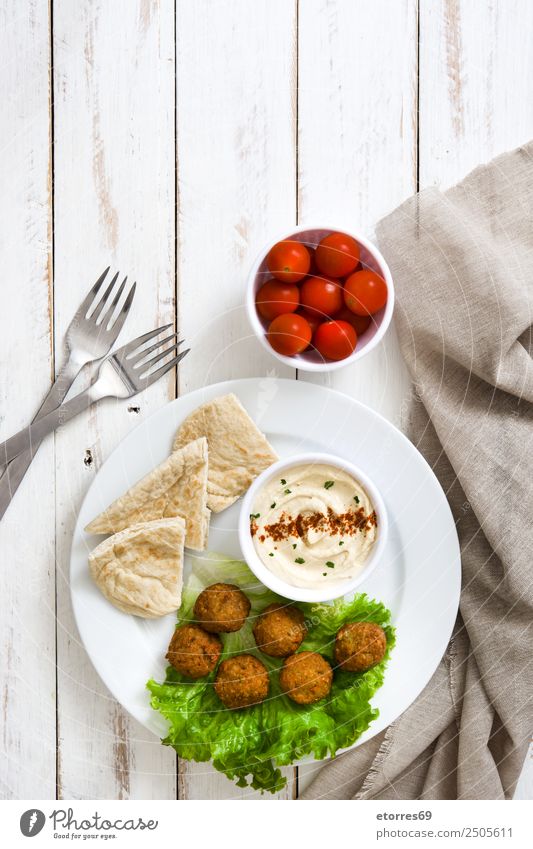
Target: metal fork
121, 375
90, 336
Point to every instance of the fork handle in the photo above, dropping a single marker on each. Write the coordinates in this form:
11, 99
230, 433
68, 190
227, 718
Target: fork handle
64, 380
14, 473
29, 438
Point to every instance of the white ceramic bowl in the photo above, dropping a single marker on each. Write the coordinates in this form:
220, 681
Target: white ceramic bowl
280, 586
311, 360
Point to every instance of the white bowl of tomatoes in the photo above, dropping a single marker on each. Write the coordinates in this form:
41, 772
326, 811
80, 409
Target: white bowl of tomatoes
320, 298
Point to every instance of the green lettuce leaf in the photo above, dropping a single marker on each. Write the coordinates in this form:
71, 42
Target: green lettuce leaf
250, 745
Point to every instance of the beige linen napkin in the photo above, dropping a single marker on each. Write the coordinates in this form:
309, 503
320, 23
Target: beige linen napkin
462, 262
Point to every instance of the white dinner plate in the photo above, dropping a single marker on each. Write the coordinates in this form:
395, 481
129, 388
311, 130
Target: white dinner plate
418, 576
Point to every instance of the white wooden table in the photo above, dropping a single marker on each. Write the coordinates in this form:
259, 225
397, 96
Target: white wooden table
171, 140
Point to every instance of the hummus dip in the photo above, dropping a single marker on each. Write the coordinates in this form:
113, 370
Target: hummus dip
314, 524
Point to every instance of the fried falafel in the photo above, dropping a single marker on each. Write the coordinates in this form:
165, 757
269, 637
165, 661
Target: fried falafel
359, 646
221, 608
306, 677
280, 630
193, 652
242, 681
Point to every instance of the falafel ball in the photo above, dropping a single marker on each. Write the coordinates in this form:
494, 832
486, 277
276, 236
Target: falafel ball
221, 608
280, 629
241, 681
359, 646
306, 677
193, 652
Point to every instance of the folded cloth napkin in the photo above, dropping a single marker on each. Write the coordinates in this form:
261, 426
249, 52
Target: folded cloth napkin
462, 262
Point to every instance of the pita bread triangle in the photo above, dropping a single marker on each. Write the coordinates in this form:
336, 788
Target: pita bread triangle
238, 451
140, 569
177, 487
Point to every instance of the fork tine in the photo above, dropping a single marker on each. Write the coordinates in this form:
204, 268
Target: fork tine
145, 367
132, 346
155, 375
133, 361
103, 300
116, 327
107, 317
89, 300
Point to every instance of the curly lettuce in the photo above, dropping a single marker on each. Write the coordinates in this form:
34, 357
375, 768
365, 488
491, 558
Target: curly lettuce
250, 745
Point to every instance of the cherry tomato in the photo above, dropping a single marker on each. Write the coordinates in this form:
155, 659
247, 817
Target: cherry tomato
365, 292
289, 334
289, 261
337, 255
321, 296
335, 340
313, 319
360, 323
276, 298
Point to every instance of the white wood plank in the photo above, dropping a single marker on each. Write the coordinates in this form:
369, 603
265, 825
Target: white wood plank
114, 204
27, 625
476, 64
357, 137
357, 146
236, 77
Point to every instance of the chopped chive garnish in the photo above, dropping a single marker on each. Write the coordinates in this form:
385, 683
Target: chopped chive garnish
299, 560
272, 505
283, 481
294, 545
329, 484
341, 542
356, 499
254, 515
325, 574
271, 554
287, 491
330, 564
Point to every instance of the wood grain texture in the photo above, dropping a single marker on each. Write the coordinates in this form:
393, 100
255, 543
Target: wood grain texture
114, 204
236, 79
27, 626
475, 84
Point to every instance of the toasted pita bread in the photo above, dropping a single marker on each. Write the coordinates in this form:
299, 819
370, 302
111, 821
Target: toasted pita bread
238, 451
140, 569
177, 487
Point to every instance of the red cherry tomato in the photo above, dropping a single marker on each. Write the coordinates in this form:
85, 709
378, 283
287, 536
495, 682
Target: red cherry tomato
365, 292
276, 298
313, 319
289, 334
321, 296
289, 261
337, 255
335, 340
360, 323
